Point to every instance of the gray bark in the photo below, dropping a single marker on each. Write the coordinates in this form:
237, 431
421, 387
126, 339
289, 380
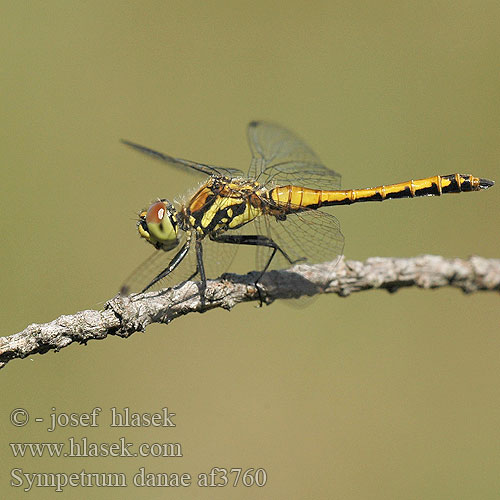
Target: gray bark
123, 316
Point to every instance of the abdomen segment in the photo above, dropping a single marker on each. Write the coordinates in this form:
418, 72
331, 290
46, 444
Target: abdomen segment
296, 197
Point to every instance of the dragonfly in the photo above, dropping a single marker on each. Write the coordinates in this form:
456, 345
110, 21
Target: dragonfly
277, 206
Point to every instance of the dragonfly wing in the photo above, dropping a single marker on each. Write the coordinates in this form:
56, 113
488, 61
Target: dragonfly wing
307, 237
154, 265
180, 163
279, 157
217, 258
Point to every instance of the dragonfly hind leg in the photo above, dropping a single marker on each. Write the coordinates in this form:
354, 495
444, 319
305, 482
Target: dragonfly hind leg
256, 240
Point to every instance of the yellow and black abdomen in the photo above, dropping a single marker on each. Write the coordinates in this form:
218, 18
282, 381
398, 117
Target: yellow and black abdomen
294, 198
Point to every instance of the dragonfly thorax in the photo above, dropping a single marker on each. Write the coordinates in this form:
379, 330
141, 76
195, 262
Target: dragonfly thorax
159, 225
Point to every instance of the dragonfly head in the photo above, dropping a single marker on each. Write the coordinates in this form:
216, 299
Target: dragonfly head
158, 225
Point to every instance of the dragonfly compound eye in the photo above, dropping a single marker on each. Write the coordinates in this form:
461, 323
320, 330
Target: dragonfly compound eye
159, 225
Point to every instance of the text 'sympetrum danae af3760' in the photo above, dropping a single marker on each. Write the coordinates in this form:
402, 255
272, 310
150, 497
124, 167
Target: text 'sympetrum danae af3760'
275, 206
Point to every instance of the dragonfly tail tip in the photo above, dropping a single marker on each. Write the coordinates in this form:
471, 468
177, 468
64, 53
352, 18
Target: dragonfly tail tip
485, 183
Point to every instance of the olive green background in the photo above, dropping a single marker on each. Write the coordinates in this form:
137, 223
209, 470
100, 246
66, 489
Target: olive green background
374, 396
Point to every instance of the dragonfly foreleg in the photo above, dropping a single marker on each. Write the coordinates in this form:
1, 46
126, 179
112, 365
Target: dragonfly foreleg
179, 256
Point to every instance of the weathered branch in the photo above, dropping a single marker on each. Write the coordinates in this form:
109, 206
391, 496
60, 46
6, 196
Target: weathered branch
125, 315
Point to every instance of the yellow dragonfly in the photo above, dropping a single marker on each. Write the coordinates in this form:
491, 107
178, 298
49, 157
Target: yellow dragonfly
276, 207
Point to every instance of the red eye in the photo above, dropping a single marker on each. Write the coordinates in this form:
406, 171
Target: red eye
156, 212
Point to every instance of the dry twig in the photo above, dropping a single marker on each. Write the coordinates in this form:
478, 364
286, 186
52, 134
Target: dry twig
123, 316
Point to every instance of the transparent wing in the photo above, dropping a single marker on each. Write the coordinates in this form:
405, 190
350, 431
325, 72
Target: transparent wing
142, 275
180, 163
306, 237
280, 157
217, 258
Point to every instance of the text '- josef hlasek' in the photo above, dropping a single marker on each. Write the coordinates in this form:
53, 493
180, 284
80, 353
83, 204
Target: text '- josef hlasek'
123, 417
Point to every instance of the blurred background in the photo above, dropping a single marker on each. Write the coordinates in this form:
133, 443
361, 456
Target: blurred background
373, 396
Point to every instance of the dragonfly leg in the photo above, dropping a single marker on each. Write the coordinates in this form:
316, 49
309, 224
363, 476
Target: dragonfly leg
179, 256
256, 240
200, 268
